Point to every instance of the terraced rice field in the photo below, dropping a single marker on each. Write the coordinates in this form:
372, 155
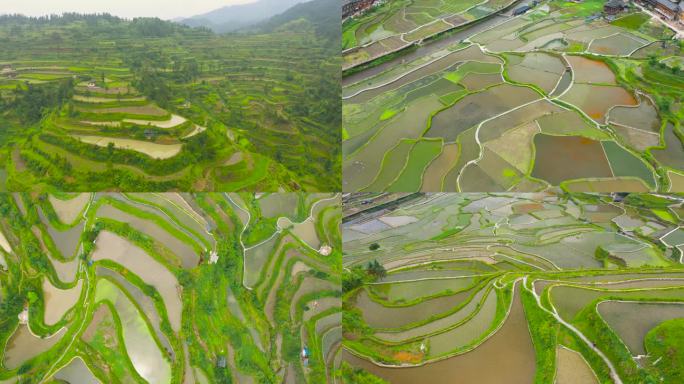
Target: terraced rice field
510, 102
552, 287
162, 288
399, 25
95, 110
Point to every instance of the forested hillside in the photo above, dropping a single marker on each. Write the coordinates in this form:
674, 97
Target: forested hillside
94, 102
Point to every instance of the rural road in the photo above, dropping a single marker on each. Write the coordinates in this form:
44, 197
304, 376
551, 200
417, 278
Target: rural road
613, 372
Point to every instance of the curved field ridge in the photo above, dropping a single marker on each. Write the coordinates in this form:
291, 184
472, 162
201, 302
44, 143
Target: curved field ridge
553, 285
155, 291
612, 82
122, 105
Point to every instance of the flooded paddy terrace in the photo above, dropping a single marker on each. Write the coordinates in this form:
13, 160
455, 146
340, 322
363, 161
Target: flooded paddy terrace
146, 268
468, 275
582, 67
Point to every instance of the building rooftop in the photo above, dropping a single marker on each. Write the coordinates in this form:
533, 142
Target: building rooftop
615, 4
669, 5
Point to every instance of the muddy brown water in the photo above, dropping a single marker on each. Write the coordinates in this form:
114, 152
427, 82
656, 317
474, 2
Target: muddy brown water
441, 339
571, 368
466, 333
66, 271
590, 71
562, 158
596, 101
378, 316
23, 345
507, 357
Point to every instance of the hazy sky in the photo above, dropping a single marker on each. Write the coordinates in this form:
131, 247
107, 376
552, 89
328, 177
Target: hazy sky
164, 9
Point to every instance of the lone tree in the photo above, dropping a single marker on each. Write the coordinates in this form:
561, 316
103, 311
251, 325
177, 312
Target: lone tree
376, 269
652, 60
374, 246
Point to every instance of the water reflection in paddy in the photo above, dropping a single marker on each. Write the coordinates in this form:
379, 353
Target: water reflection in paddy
189, 257
255, 259
632, 320
68, 210
58, 301
66, 271
305, 231
510, 349
141, 347
466, 333
65, 241
378, 316
455, 318
111, 246
145, 303
23, 345
76, 372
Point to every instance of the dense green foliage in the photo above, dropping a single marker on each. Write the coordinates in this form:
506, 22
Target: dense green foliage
350, 375
267, 103
209, 326
666, 341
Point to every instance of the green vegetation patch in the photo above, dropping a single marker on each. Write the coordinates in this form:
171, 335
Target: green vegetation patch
633, 21
666, 342
420, 156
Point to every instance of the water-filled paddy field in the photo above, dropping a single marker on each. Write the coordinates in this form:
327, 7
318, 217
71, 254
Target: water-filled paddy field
393, 26
156, 291
549, 284
595, 73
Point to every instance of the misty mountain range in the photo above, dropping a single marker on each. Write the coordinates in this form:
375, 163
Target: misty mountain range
234, 17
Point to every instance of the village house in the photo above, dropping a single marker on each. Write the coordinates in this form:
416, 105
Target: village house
668, 9
521, 10
613, 7
6, 69
351, 7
